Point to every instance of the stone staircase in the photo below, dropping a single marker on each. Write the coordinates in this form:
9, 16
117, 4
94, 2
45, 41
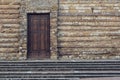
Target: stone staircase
58, 70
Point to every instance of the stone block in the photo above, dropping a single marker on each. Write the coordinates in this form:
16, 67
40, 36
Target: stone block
1, 28
9, 12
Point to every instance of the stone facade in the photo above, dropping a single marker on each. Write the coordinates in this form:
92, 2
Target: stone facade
79, 29
89, 29
13, 26
9, 29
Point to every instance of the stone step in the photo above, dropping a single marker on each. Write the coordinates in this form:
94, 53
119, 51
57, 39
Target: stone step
99, 78
59, 74
67, 62
60, 65
37, 62
39, 78
61, 69
58, 70
92, 62
63, 66
102, 78
61, 61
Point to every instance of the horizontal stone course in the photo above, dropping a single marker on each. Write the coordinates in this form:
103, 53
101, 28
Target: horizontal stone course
8, 40
88, 49
89, 23
89, 18
9, 16
91, 44
88, 2
10, 21
85, 28
87, 39
9, 6
9, 11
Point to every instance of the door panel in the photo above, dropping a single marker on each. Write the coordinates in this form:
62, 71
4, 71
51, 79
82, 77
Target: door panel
38, 36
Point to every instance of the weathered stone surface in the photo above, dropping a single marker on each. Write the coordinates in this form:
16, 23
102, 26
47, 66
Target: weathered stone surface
9, 11
9, 30
1, 27
88, 29
9, 6
8, 40
91, 44
79, 29
10, 21
90, 18
9, 16
87, 39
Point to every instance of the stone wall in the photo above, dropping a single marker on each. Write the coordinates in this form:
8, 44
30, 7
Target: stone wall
79, 29
9, 29
13, 26
89, 29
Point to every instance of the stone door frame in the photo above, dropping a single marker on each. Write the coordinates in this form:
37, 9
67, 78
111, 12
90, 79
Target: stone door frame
23, 34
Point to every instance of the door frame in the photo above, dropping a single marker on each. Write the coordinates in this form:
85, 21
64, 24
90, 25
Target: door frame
29, 33
53, 32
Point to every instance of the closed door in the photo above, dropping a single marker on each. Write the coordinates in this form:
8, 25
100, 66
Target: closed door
38, 36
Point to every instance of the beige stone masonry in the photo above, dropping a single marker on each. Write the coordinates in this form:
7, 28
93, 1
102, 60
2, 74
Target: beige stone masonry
9, 11
9, 6
9, 29
9, 16
89, 29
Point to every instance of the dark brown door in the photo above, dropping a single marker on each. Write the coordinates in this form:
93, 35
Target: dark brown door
38, 36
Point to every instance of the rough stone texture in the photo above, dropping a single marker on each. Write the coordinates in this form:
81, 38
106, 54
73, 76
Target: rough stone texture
89, 29
79, 29
9, 29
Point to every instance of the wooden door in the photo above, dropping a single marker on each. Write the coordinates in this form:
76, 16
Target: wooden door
38, 36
